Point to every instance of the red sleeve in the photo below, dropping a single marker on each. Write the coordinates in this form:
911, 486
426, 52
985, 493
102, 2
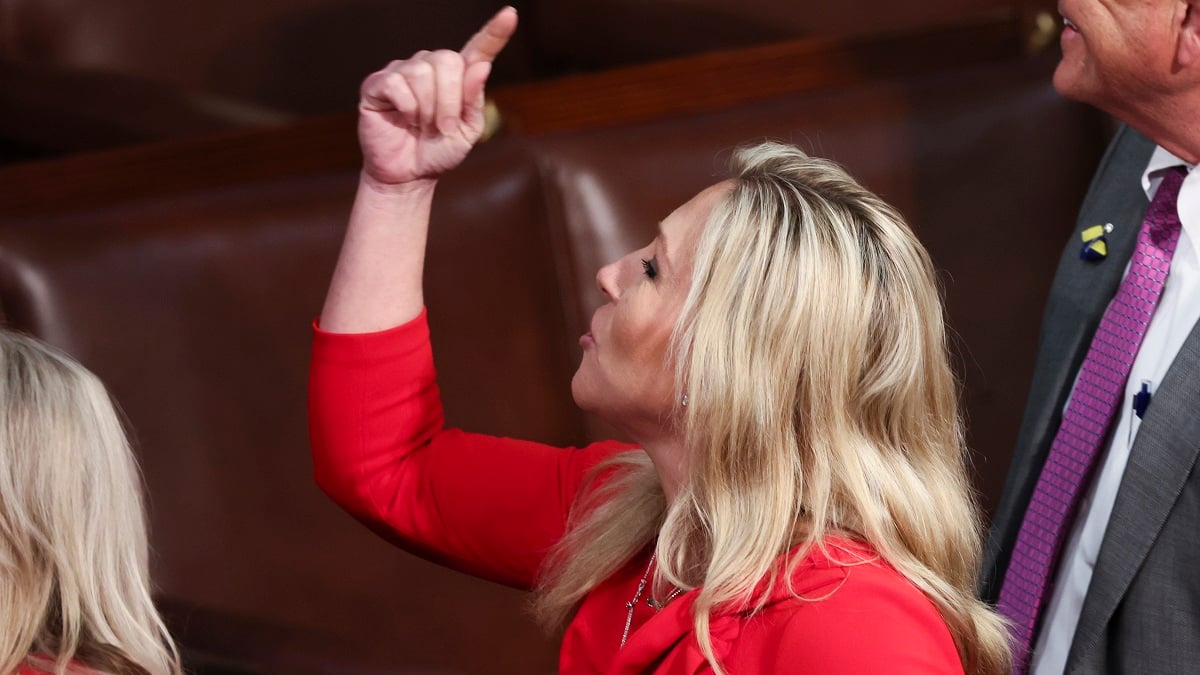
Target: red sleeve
488, 506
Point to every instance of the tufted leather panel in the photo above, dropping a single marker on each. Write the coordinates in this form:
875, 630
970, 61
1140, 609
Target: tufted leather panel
194, 308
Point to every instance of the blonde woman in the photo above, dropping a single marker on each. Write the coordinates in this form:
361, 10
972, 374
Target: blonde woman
796, 501
74, 587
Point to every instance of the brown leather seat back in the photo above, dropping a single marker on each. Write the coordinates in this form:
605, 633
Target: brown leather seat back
195, 308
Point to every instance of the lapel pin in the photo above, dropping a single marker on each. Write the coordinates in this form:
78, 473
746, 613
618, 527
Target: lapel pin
1095, 246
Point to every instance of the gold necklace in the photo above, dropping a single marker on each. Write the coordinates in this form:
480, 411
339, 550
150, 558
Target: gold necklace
650, 601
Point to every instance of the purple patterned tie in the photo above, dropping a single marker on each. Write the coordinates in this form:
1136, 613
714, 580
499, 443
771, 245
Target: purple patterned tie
1089, 413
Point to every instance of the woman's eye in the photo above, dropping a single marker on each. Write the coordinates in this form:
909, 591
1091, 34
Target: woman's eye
650, 268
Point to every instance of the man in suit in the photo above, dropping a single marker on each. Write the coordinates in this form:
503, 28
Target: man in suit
1094, 553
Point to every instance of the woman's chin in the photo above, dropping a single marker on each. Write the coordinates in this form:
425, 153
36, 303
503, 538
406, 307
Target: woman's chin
579, 393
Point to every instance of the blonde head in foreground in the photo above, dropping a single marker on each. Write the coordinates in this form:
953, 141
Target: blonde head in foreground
74, 581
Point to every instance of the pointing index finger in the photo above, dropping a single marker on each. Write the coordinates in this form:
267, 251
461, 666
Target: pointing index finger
487, 43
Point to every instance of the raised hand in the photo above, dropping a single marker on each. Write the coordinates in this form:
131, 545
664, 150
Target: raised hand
418, 118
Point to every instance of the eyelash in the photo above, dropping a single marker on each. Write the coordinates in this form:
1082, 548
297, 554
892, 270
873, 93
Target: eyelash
649, 268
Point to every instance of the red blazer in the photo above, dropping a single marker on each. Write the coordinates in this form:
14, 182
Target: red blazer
493, 507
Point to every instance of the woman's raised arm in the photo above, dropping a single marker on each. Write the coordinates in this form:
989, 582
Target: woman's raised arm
488, 506
418, 118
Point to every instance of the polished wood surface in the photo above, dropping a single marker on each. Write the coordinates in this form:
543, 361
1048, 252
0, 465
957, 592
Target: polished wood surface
723, 79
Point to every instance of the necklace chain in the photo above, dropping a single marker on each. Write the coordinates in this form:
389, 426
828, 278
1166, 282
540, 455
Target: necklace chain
659, 606
650, 601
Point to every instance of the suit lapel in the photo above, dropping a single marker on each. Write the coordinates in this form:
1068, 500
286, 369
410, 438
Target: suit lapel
1084, 288
1078, 298
1160, 462
1082, 291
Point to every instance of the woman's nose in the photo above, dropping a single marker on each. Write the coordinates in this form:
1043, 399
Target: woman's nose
606, 281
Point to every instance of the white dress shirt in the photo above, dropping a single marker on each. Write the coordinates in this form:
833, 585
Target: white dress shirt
1178, 311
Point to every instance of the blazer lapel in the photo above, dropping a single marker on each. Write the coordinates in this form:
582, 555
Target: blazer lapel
1160, 462
649, 645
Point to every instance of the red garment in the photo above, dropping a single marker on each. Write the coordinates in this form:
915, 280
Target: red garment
493, 507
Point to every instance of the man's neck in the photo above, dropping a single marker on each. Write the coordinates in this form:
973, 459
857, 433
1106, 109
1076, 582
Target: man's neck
1173, 124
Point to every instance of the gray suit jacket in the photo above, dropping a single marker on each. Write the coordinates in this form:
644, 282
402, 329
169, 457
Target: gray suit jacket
1142, 611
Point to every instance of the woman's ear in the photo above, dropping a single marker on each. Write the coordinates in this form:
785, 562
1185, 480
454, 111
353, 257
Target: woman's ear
1188, 50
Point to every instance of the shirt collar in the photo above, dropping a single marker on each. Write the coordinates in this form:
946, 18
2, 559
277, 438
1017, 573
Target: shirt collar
1189, 193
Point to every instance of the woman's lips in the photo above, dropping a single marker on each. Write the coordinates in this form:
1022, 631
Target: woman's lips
586, 340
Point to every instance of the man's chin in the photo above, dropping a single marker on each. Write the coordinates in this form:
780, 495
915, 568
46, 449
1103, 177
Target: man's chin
1067, 81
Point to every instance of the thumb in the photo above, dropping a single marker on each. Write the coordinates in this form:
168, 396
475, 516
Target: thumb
474, 80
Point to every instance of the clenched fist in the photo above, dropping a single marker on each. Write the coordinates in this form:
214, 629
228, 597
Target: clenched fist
418, 118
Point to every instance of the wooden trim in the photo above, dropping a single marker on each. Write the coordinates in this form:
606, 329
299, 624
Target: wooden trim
724, 79
318, 145
660, 90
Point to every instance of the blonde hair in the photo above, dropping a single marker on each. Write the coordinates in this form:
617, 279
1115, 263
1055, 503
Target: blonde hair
812, 351
74, 579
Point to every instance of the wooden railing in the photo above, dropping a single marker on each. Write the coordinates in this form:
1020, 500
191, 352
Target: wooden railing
724, 79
